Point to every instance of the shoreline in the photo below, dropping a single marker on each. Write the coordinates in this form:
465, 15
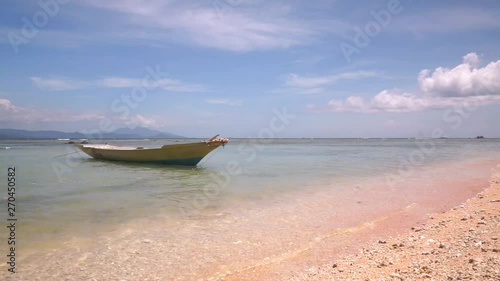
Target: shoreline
272, 242
443, 191
462, 243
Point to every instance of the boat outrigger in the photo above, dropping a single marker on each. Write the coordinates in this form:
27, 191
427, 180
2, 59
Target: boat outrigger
188, 154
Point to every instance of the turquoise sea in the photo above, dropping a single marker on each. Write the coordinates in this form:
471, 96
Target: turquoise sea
62, 194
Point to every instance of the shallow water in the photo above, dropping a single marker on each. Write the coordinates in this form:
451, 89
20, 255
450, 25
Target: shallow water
66, 197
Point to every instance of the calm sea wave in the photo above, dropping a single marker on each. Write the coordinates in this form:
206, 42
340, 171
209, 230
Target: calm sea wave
63, 196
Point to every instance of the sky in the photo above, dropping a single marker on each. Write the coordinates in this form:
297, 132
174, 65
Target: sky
252, 68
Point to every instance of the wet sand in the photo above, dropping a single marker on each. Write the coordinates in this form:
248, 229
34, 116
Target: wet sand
460, 244
297, 236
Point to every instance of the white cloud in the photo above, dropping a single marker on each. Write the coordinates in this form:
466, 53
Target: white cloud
172, 85
224, 102
204, 24
166, 84
471, 59
139, 120
313, 91
461, 86
119, 82
7, 106
12, 114
465, 79
55, 84
294, 80
396, 101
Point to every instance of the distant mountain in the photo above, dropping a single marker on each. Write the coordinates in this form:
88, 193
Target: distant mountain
122, 133
24, 134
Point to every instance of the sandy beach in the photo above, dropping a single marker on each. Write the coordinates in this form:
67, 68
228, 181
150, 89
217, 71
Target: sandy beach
429, 229
231, 140
459, 244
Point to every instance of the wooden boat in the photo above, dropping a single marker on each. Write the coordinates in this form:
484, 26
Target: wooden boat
175, 154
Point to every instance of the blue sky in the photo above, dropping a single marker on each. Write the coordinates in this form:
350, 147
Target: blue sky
195, 68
